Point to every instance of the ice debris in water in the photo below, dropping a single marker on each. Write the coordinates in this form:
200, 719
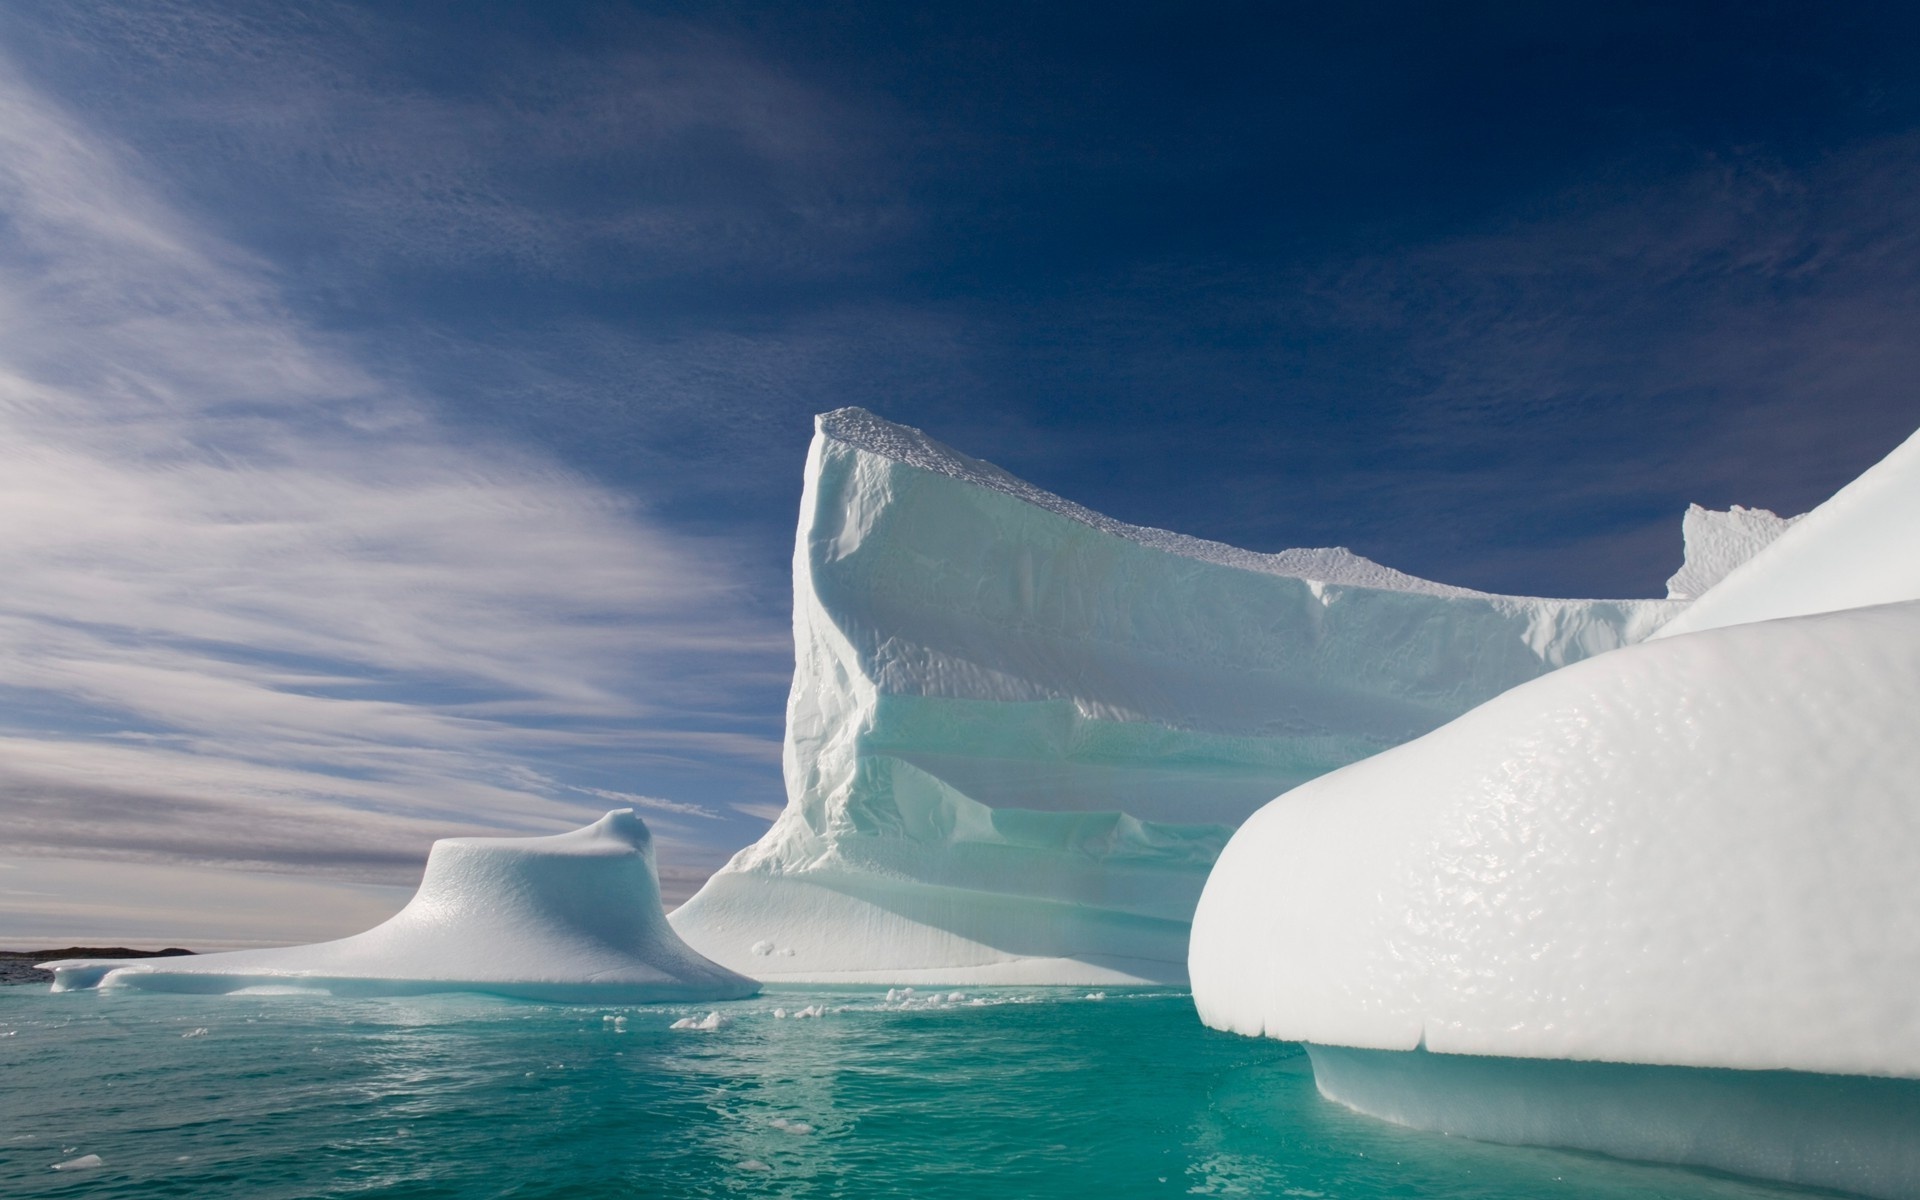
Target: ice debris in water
786, 1126
811, 1010
194, 1033
86, 1162
1096, 995
754, 1164
780, 1013
711, 1021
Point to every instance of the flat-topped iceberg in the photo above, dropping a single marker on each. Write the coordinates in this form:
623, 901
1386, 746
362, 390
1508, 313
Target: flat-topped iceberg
1020, 732
572, 917
1659, 904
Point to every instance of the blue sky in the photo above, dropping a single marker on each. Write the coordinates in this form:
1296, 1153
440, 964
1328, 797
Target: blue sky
404, 405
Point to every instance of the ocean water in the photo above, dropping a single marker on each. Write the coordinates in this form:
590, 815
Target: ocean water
1001, 1093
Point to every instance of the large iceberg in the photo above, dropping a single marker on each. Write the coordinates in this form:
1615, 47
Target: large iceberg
1691, 860
1020, 732
572, 917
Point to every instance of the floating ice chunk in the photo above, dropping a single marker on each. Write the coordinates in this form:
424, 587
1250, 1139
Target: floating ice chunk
812, 1010
1629, 847
780, 1014
1096, 996
786, 1126
1020, 732
86, 1162
710, 1022
193, 1033
954, 997
753, 1164
572, 917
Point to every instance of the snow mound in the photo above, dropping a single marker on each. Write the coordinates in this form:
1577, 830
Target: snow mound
1020, 732
1856, 549
1717, 542
1699, 851
572, 917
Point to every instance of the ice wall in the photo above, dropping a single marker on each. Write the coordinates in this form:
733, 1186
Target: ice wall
1020, 732
572, 917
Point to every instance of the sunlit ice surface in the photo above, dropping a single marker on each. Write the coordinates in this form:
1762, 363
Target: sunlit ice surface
799, 1092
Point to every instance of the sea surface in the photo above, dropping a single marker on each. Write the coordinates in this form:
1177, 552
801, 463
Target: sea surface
1024, 1092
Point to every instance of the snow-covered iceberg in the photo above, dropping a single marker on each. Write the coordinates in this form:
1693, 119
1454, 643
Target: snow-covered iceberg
1692, 860
1020, 732
574, 917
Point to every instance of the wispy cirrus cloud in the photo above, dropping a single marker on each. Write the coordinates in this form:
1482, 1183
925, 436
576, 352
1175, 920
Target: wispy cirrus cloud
262, 608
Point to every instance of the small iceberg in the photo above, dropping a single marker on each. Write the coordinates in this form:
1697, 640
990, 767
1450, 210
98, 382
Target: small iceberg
573, 918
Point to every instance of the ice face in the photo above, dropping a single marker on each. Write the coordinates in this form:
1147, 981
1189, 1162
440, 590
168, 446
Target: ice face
1697, 851
1020, 732
1856, 549
1717, 542
572, 917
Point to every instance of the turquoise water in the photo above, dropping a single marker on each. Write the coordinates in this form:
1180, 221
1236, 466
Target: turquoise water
1035, 1092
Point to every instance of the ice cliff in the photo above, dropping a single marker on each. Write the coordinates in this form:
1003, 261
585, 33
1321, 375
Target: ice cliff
1020, 732
1692, 860
572, 917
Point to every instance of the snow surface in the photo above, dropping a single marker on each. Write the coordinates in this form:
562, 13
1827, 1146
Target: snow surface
1860, 547
1020, 732
572, 917
1717, 542
1697, 851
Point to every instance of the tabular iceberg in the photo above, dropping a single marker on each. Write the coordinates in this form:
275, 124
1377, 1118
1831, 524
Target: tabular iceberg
1659, 904
1020, 732
575, 917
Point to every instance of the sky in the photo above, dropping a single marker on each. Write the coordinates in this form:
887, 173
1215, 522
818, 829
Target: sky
402, 405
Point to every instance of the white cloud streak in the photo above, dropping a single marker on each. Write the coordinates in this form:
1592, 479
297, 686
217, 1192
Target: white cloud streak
260, 607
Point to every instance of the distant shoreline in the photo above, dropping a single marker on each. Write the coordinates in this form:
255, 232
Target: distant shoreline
16, 966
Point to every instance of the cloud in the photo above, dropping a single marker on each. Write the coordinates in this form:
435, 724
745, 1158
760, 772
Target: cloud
671, 151
263, 608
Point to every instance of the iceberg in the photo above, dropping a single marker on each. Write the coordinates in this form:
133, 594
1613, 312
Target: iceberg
1020, 731
575, 917
1658, 904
